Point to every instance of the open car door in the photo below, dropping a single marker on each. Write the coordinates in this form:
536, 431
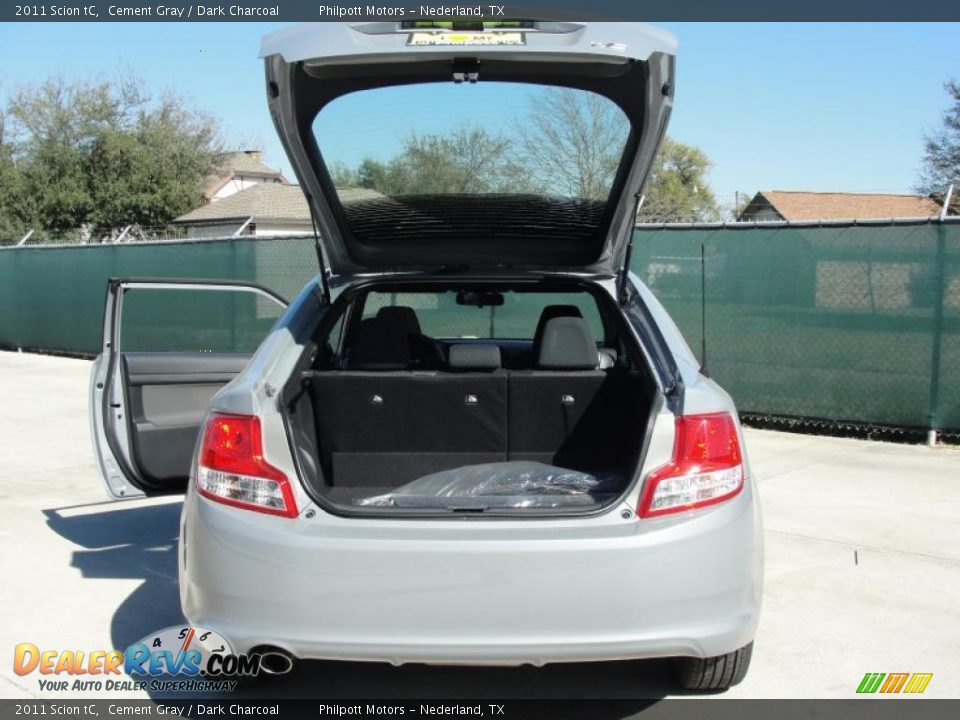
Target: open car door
167, 347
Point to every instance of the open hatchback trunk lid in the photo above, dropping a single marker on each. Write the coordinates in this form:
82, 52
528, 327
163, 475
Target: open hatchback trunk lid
518, 146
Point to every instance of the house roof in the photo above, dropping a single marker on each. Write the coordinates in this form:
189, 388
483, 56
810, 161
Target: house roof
797, 205
264, 201
246, 163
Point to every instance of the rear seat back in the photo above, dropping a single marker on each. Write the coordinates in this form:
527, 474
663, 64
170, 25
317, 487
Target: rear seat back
379, 345
384, 429
569, 413
567, 344
425, 353
380, 426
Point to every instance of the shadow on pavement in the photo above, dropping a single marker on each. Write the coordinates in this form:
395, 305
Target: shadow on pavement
135, 543
141, 543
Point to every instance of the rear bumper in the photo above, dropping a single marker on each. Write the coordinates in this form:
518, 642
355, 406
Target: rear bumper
475, 592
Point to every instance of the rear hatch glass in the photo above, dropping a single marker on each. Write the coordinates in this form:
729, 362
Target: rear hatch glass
449, 164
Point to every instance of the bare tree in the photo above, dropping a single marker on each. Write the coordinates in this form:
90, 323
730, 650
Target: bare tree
941, 156
465, 160
572, 141
565, 142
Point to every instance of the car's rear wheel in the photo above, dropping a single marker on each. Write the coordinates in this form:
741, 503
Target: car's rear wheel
714, 673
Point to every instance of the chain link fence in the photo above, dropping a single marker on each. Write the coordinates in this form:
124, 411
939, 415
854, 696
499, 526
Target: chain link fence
837, 323
52, 296
848, 323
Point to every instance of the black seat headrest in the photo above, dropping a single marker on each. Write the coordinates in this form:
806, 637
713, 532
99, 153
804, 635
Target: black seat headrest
379, 345
403, 316
467, 356
549, 313
568, 344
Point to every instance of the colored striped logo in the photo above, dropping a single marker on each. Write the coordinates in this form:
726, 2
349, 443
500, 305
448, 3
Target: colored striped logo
894, 682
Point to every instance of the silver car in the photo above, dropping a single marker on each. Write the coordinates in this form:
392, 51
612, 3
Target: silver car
475, 437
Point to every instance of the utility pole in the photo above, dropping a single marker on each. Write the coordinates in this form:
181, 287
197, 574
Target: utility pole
947, 199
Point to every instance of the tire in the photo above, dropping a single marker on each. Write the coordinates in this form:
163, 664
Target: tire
714, 673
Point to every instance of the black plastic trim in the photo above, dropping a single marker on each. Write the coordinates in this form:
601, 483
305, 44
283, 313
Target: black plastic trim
664, 363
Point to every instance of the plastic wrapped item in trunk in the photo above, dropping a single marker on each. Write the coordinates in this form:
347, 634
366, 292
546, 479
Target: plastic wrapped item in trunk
515, 484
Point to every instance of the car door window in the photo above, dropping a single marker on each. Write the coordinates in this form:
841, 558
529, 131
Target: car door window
158, 320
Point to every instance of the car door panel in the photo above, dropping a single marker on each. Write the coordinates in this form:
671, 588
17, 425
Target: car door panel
146, 368
168, 395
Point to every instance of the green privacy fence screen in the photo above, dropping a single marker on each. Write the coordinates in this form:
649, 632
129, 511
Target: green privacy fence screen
849, 323
846, 323
51, 298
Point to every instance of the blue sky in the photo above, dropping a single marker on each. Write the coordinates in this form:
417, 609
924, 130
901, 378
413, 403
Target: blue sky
775, 106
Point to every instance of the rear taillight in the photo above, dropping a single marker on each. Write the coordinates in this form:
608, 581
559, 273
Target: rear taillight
231, 468
707, 467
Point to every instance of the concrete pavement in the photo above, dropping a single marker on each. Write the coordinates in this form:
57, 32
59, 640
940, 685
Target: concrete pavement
863, 565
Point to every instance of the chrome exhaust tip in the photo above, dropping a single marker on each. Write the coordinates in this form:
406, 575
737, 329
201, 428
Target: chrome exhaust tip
274, 660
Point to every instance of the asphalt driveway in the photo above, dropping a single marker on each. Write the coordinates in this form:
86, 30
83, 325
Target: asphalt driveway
863, 565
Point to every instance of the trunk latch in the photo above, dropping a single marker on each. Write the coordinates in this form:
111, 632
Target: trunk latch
466, 70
